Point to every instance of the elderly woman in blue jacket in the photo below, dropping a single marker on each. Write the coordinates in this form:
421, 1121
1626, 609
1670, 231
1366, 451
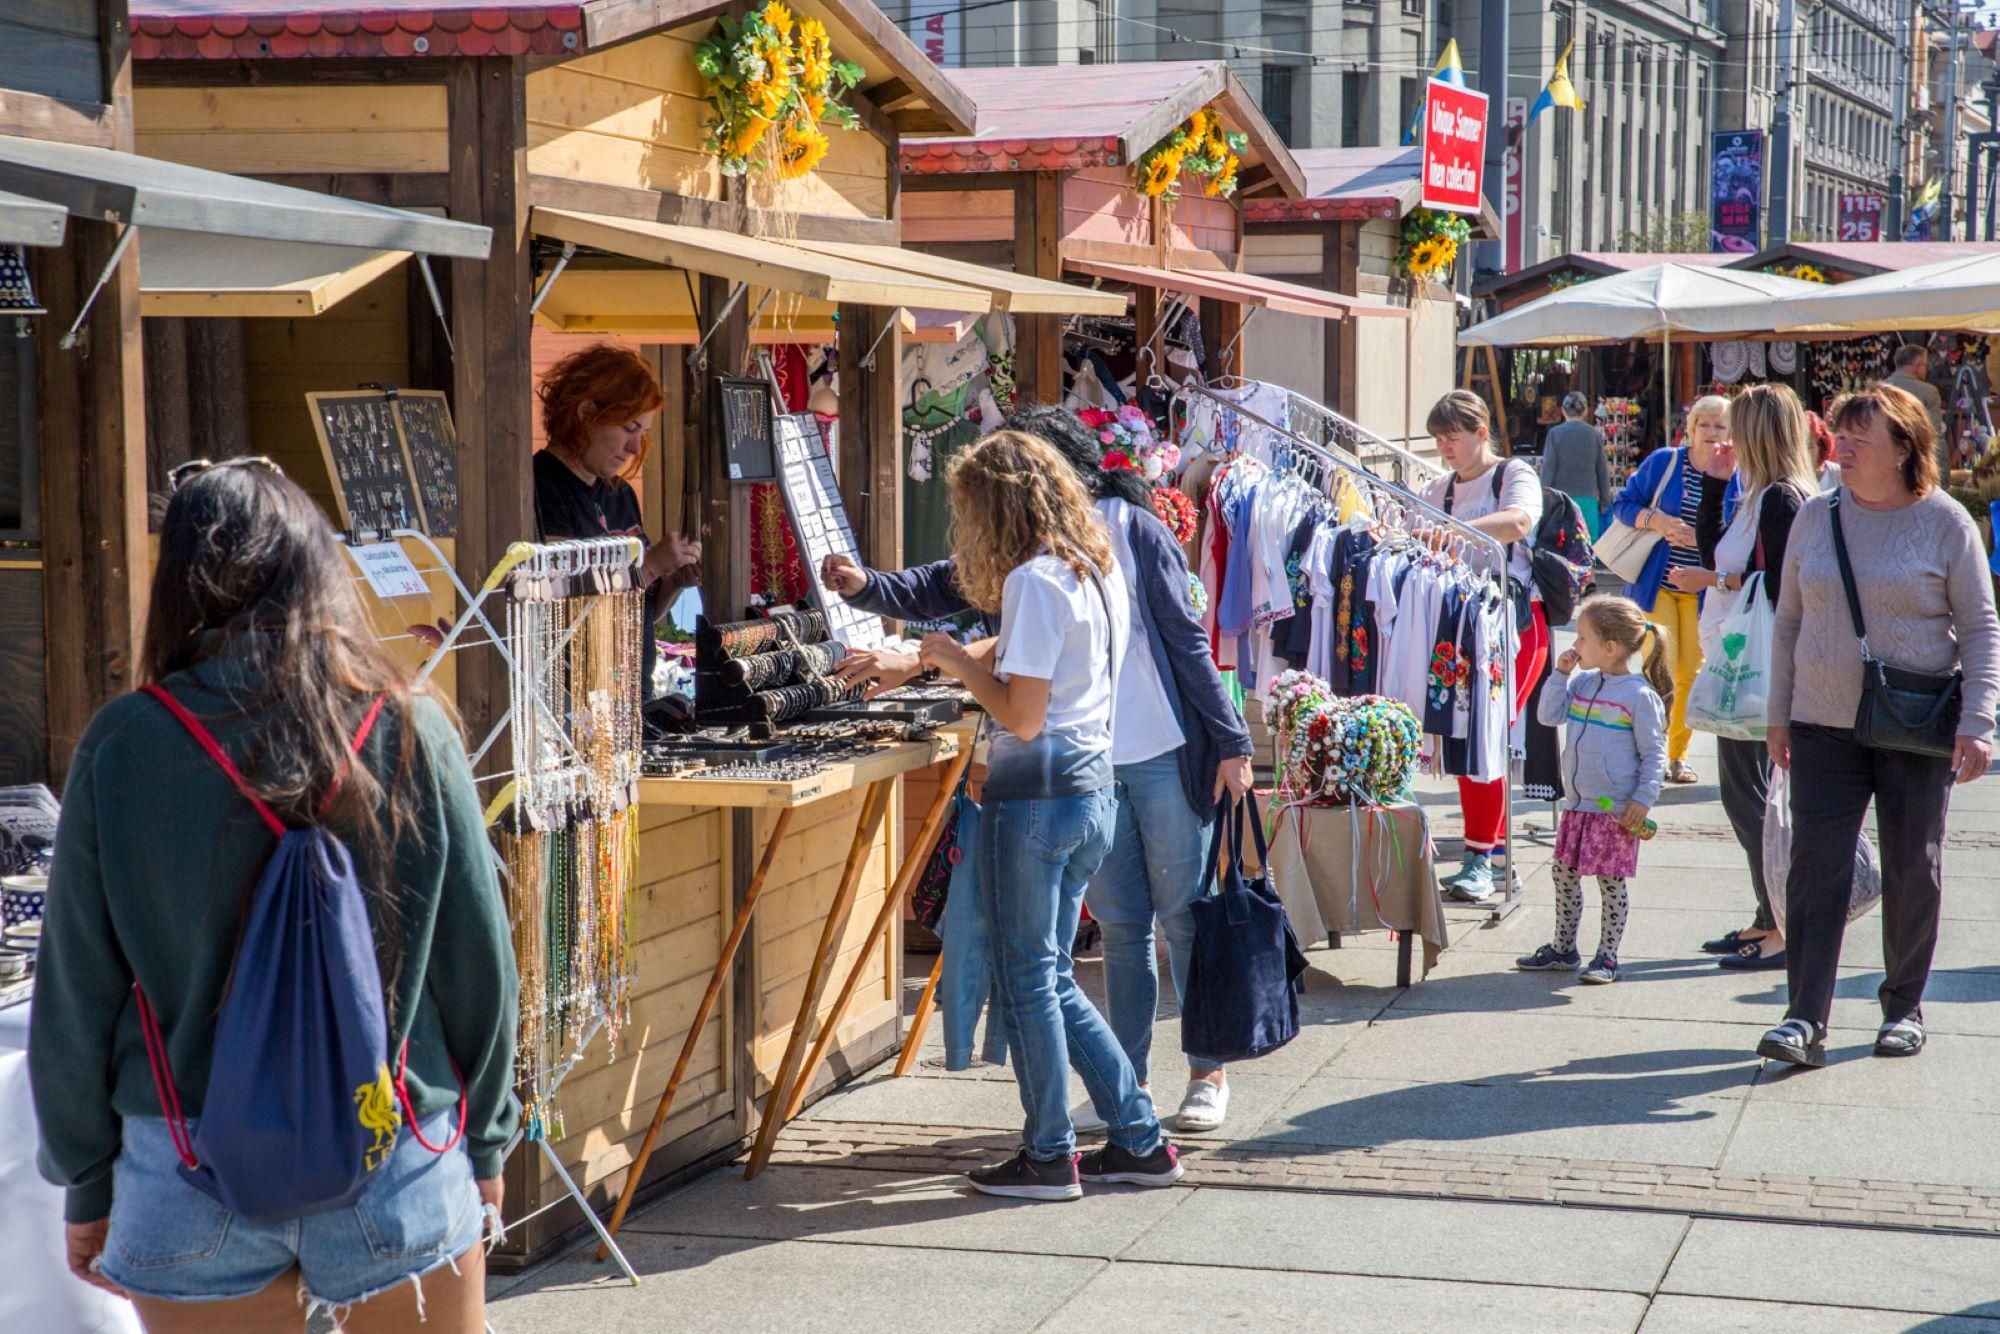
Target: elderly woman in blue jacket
1664, 496
1178, 743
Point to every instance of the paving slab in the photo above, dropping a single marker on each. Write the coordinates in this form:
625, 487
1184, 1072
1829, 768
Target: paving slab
800, 1203
1885, 1271
1869, 1143
1954, 1073
728, 1286
1627, 1120
1145, 1298
1688, 989
1715, 1315
1432, 1239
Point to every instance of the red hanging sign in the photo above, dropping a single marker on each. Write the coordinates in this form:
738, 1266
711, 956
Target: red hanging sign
1861, 217
1454, 147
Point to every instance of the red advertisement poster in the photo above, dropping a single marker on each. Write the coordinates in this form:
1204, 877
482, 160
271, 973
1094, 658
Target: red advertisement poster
1861, 217
1454, 147
1513, 185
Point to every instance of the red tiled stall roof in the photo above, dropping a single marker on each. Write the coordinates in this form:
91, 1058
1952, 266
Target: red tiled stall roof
1861, 259
273, 29
1355, 184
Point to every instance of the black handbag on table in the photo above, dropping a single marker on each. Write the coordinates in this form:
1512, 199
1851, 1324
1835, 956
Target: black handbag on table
1901, 710
1243, 974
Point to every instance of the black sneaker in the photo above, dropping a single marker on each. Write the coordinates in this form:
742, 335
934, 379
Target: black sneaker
1796, 1042
1025, 1178
1548, 959
1161, 1167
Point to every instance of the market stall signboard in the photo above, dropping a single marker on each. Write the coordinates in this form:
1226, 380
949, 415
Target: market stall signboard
1454, 142
747, 428
819, 522
394, 458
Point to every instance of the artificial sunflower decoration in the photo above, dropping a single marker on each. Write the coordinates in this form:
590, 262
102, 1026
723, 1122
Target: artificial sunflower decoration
1431, 240
1805, 273
770, 68
1200, 146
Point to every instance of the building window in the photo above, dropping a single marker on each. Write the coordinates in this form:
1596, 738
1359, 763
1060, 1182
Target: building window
1277, 99
1351, 93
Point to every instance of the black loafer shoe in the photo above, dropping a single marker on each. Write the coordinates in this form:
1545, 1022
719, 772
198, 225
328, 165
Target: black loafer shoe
1747, 959
1728, 944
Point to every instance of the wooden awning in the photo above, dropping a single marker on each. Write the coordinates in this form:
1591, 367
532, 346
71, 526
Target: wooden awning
25, 221
195, 275
655, 305
106, 185
1354, 306
758, 262
1018, 293
1221, 285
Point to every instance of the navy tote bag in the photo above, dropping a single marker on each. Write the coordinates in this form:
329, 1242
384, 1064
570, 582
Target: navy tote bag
1243, 976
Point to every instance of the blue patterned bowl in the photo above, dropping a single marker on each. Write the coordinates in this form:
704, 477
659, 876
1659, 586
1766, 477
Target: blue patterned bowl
22, 898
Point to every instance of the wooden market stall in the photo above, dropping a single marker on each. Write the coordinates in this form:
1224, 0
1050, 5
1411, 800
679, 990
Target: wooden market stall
577, 133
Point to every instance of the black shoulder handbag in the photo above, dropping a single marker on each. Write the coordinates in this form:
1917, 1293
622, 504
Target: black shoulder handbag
1243, 974
1902, 710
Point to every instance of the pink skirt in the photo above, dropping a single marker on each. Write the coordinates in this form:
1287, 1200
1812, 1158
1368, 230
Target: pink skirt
1595, 843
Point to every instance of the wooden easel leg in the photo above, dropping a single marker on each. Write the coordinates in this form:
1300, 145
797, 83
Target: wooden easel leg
872, 810
920, 1022
1403, 960
701, 1015
892, 905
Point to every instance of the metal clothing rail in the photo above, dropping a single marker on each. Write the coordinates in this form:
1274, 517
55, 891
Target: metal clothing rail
1406, 505
1324, 426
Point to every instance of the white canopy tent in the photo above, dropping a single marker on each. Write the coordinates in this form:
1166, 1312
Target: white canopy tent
1658, 301
1958, 293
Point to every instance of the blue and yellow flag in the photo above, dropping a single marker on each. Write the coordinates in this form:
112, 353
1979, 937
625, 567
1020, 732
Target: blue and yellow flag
1448, 69
1923, 207
1558, 91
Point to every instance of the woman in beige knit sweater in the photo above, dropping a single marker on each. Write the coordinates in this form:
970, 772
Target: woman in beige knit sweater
1927, 606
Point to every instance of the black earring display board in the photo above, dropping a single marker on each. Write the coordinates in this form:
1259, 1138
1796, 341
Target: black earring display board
747, 430
820, 526
393, 456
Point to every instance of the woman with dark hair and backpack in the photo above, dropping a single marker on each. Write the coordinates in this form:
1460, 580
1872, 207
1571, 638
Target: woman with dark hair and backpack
255, 631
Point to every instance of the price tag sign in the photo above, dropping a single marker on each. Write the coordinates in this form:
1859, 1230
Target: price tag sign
387, 568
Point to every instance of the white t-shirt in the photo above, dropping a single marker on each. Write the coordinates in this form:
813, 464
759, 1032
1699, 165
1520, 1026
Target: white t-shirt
1055, 627
1145, 728
1520, 489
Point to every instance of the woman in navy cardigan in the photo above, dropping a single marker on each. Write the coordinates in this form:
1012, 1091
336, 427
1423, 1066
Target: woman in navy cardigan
1178, 743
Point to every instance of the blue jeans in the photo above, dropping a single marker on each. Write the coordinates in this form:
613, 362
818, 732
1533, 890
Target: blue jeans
1036, 857
966, 980
1158, 849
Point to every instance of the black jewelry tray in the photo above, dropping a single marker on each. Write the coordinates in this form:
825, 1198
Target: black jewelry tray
929, 712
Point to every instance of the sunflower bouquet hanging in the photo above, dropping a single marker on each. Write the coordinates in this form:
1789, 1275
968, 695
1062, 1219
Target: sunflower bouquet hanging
1200, 146
770, 71
1431, 241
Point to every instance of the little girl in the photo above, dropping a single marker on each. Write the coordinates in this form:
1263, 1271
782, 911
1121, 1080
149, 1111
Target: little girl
1614, 760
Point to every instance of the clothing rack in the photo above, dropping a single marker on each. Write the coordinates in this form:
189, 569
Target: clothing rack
1395, 503
1326, 427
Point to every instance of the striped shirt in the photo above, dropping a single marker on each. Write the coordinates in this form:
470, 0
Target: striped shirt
1690, 512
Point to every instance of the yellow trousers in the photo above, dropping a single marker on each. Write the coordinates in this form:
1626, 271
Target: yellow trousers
1678, 615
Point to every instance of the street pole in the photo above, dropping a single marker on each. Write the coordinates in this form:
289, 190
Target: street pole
1493, 39
1778, 224
1899, 151
1946, 214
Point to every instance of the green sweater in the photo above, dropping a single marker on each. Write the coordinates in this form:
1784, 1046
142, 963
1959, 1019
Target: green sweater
154, 856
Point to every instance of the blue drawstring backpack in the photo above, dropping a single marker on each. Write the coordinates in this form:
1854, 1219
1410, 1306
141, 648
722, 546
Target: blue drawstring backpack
1242, 997
303, 1109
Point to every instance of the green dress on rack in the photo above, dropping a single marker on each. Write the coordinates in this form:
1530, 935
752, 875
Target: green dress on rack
934, 429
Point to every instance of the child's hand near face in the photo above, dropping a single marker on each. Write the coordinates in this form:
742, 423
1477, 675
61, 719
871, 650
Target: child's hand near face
1569, 661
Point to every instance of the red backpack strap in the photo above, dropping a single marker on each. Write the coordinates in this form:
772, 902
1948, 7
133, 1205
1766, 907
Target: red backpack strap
368, 723
410, 1112
216, 753
163, 1078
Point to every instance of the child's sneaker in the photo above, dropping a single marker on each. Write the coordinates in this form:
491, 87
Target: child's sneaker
1604, 968
1549, 959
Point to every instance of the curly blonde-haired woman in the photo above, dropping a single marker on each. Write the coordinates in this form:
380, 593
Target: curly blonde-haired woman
1029, 547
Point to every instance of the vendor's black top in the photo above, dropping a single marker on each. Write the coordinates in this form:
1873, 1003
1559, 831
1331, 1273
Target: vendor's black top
569, 509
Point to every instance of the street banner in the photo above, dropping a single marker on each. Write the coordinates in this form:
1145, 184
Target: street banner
1735, 190
1454, 147
1513, 185
1861, 217
936, 27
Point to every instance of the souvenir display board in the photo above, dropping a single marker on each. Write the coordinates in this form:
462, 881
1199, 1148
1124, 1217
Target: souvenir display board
394, 458
819, 521
747, 428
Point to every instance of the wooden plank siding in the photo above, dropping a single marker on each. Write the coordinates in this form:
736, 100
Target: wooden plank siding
1101, 205
52, 49
282, 131
957, 216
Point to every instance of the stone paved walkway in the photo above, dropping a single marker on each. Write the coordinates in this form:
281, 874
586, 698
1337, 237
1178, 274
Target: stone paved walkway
1489, 1149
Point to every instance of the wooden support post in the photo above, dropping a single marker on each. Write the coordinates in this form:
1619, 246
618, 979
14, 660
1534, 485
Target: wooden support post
1146, 331
892, 906
873, 807
637, 1171
1221, 323
724, 516
1341, 259
1038, 254
920, 1022
871, 432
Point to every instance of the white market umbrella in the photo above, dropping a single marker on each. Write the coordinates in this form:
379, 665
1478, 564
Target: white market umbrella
1958, 293
1658, 301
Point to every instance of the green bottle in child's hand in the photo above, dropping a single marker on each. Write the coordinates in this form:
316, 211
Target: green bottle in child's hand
1647, 828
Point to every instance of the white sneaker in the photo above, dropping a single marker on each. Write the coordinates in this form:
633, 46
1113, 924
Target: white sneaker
1084, 1118
1204, 1107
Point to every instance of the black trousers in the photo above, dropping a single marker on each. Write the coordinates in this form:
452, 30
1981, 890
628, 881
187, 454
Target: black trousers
1833, 778
1745, 778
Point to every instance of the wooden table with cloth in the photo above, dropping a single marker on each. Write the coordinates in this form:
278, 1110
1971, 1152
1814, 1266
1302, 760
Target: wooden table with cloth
1361, 868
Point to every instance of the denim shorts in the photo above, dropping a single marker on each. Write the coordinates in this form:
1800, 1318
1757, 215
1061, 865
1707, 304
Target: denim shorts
169, 1240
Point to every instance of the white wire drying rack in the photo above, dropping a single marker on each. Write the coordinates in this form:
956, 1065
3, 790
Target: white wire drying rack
1318, 464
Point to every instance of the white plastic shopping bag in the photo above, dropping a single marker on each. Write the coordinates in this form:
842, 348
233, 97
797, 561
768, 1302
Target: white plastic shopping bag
1732, 694
1867, 890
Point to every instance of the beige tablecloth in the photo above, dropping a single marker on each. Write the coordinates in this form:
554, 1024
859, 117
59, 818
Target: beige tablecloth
1390, 885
